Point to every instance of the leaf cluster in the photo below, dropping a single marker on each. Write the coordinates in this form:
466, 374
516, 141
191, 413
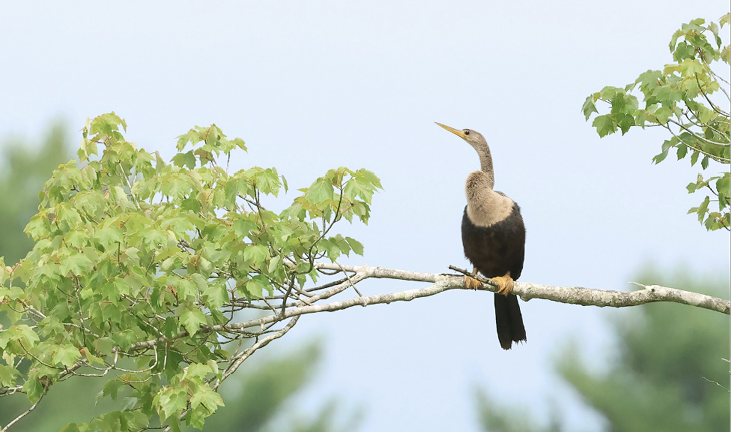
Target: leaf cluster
679, 99
144, 261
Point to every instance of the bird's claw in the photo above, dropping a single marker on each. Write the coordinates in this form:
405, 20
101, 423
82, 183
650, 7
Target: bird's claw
472, 283
505, 284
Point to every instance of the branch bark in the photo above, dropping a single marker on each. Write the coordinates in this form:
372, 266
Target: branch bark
527, 290
445, 282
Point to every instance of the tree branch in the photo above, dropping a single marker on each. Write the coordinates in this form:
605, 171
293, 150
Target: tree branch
243, 355
527, 291
444, 282
25, 413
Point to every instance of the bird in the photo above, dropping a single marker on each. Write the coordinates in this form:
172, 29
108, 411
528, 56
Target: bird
494, 238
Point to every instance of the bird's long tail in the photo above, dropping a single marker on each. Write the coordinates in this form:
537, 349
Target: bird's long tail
509, 323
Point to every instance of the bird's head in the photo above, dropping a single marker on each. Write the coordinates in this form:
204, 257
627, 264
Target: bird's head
475, 139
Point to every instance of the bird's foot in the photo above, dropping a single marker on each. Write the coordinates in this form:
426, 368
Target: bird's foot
505, 284
472, 283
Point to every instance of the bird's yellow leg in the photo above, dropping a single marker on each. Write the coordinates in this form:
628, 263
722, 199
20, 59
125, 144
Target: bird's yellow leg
505, 284
471, 282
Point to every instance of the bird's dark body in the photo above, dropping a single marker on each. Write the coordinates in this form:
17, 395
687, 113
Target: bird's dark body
495, 251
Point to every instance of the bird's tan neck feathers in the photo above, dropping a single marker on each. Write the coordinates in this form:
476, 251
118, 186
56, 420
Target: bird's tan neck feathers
486, 164
486, 207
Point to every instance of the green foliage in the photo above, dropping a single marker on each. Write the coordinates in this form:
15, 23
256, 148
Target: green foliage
669, 372
145, 261
678, 100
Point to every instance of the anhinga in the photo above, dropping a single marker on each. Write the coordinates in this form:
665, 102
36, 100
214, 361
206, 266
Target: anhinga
493, 239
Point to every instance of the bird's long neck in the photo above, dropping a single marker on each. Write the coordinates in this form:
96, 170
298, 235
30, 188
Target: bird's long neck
486, 162
485, 206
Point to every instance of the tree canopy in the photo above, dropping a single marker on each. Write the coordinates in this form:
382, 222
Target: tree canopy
138, 260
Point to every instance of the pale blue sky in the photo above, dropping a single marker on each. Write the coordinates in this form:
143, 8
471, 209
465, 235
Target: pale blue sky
311, 85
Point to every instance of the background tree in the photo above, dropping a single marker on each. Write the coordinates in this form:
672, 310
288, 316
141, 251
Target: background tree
262, 392
680, 99
25, 168
668, 371
256, 397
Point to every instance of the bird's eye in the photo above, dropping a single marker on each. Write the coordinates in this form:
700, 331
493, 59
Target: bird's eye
466, 131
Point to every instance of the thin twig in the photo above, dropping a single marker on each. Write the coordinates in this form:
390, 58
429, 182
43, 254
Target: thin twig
26, 412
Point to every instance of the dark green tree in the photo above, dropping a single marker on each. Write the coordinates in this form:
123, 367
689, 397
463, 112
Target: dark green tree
670, 372
256, 397
25, 167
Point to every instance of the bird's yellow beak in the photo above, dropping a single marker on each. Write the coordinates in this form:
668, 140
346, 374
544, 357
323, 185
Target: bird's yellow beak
459, 133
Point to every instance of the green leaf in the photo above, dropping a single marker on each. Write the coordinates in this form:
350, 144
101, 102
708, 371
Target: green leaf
667, 95
77, 264
109, 236
694, 157
663, 114
723, 184
33, 388
355, 245
681, 151
589, 106
625, 121
170, 327
66, 355
7, 375
198, 370
623, 103
107, 124
677, 34
176, 186
185, 288
684, 51
703, 208
268, 181
104, 346
38, 227
185, 160
20, 333
191, 320
321, 190
206, 397
256, 254
256, 286
705, 162
171, 401
608, 92
649, 80
215, 296
605, 125
330, 246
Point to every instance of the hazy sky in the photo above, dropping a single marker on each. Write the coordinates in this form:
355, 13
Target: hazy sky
311, 85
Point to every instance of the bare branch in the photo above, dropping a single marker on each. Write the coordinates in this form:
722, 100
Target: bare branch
241, 357
26, 412
445, 282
